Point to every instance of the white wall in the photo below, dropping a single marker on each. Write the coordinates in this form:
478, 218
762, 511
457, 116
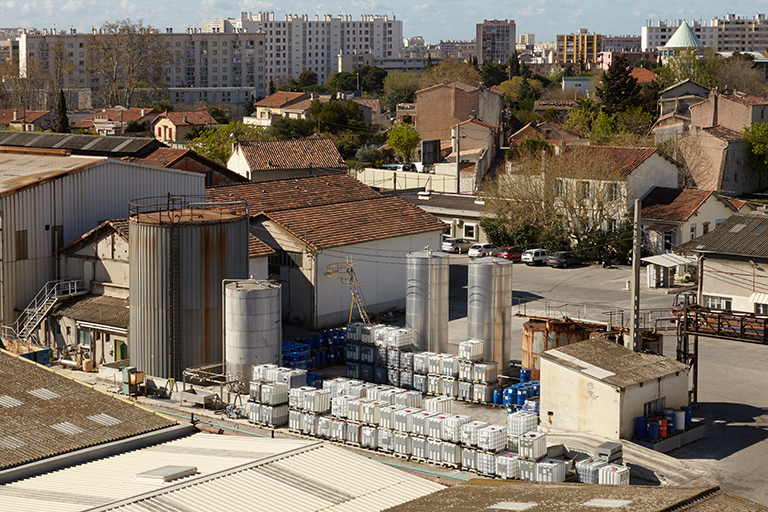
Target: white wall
444, 179
258, 267
734, 280
238, 163
672, 387
656, 171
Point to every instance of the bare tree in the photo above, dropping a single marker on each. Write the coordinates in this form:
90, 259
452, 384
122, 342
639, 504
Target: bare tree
740, 74
123, 58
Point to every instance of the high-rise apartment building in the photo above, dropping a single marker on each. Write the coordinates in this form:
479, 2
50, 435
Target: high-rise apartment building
730, 33
621, 43
458, 49
296, 43
495, 40
580, 47
655, 34
527, 39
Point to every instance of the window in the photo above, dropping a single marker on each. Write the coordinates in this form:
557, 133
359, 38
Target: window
561, 188
714, 302
654, 406
614, 192
469, 231
693, 231
84, 338
705, 227
21, 244
761, 309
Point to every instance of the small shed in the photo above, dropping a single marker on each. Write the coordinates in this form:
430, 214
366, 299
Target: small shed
599, 386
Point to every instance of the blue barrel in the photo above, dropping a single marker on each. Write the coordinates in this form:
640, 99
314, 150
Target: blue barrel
317, 341
653, 431
670, 423
522, 394
641, 426
688, 414
525, 375
321, 360
498, 396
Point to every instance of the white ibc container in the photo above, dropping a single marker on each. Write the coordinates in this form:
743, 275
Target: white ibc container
406, 379
274, 394
483, 392
528, 470
317, 401
486, 372
275, 373
344, 386
421, 422
492, 438
434, 365
420, 383
419, 447
386, 440
353, 432
468, 459
450, 386
296, 396
434, 385
360, 389
338, 430
466, 371
254, 412
442, 404
340, 405
434, 450
355, 331
521, 422
332, 385
355, 412
613, 474
451, 453
409, 399
486, 463
324, 427
393, 377
254, 390
435, 426
295, 421
533, 445
404, 419
449, 366
369, 437
402, 444
374, 393
406, 361
400, 339
452, 427
588, 470
370, 412
469, 432
388, 395
550, 470
366, 331
513, 443
380, 335
259, 371
309, 424
387, 416
471, 350
465, 391
508, 466
393, 358
274, 415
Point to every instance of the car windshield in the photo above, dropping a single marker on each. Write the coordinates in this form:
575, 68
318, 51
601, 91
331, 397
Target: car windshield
476, 247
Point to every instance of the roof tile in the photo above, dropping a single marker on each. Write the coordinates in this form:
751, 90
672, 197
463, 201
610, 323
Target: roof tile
281, 99
722, 133
196, 117
275, 155
626, 159
673, 204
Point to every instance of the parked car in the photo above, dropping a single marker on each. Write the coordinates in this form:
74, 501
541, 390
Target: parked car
563, 259
535, 256
480, 250
457, 245
510, 253
683, 299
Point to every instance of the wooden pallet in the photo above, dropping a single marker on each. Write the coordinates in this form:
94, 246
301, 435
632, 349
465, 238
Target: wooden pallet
401, 456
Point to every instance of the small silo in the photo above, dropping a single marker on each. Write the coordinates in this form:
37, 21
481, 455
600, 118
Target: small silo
180, 252
426, 300
252, 326
489, 307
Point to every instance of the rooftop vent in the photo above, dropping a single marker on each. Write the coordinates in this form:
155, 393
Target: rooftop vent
168, 473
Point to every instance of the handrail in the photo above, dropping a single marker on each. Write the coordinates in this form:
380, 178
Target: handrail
56, 288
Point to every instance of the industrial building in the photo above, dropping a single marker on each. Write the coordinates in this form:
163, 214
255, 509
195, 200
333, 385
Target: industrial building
599, 386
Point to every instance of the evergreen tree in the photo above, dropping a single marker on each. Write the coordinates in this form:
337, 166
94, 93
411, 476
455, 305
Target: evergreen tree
513, 65
62, 122
525, 71
272, 88
619, 88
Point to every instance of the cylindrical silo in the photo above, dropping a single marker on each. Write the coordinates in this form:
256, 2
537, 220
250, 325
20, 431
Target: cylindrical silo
253, 329
179, 256
426, 300
489, 307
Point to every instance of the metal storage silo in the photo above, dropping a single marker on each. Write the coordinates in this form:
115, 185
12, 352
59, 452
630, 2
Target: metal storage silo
180, 252
489, 307
426, 300
252, 326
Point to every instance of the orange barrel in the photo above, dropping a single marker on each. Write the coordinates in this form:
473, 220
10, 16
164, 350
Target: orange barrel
663, 427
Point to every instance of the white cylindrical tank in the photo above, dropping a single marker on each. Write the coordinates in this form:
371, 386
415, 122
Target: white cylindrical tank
252, 326
426, 300
489, 307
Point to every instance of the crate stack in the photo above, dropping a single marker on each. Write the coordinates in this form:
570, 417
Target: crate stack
534, 466
519, 423
306, 405
269, 392
611, 471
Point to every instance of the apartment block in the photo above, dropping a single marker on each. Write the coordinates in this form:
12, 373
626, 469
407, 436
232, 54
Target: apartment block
729, 33
621, 43
296, 43
579, 47
495, 40
527, 39
458, 49
656, 33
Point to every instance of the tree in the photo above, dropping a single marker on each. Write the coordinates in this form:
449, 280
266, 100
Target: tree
618, 88
272, 87
307, 78
493, 74
288, 128
513, 66
512, 88
62, 122
249, 107
371, 79
404, 139
450, 70
582, 115
525, 71
126, 57
689, 64
526, 96
220, 115
216, 143
336, 116
369, 154
400, 88
341, 82
756, 135
738, 73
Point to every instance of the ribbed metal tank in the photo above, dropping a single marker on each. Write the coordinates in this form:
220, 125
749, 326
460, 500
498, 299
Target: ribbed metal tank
538, 337
426, 300
180, 252
489, 307
252, 326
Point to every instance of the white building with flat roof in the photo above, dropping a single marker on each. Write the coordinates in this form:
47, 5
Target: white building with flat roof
728, 33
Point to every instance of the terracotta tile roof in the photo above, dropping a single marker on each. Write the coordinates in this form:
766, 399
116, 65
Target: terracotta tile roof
741, 234
493, 127
374, 105
494, 90
276, 155
171, 158
97, 309
124, 115
48, 402
642, 75
738, 203
29, 116
281, 99
257, 248
554, 103
456, 85
625, 159
161, 157
300, 192
674, 115
673, 204
744, 99
196, 117
355, 222
546, 130
723, 133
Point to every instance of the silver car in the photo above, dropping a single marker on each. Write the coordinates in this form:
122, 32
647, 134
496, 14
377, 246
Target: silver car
535, 256
457, 245
480, 250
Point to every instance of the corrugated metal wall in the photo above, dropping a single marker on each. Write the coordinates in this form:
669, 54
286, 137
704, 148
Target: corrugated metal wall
77, 202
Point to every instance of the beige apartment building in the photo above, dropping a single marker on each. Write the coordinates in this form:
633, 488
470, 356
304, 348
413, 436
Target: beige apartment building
579, 47
729, 33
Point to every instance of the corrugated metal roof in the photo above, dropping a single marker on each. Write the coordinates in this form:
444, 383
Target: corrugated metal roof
17, 171
741, 234
234, 473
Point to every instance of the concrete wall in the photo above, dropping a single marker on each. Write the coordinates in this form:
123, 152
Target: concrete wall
258, 268
734, 279
440, 108
444, 179
491, 107
656, 171
674, 388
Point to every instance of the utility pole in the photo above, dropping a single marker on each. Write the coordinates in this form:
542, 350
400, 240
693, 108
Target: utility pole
635, 339
458, 158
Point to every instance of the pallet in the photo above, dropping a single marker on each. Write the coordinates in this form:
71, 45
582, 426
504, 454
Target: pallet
353, 445
419, 459
450, 465
401, 456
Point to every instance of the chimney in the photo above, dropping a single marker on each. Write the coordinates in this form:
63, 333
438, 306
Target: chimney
142, 112
185, 120
15, 115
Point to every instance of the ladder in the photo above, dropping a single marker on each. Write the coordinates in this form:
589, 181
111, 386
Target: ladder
346, 273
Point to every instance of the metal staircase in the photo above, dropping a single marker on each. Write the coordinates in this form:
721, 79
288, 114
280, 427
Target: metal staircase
41, 305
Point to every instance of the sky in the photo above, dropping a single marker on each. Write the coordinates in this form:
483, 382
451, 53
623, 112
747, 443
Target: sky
433, 20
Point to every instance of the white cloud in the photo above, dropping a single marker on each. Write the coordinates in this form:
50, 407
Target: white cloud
11, 4
72, 6
48, 6
29, 7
